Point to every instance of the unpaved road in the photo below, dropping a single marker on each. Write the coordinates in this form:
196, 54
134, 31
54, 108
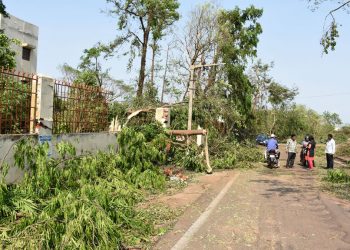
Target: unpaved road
262, 209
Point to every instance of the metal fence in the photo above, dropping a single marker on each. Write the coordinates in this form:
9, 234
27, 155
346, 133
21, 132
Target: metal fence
79, 108
18, 97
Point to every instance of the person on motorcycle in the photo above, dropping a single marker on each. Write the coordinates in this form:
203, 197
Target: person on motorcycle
272, 146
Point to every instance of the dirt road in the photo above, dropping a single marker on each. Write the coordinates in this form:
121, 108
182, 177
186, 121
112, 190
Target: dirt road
263, 209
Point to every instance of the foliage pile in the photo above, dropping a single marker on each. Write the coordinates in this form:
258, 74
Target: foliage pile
238, 156
80, 202
191, 159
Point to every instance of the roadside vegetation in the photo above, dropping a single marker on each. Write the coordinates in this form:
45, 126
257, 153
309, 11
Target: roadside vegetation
338, 182
82, 202
94, 201
99, 201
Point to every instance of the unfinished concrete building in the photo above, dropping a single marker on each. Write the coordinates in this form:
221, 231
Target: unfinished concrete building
27, 34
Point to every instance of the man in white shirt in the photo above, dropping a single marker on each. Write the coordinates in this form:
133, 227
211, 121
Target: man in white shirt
330, 151
291, 150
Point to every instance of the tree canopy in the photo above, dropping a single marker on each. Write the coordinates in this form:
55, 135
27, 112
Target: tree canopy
139, 20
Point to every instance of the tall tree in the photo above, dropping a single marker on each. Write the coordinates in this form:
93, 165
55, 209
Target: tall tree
197, 42
239, 32
139, 19
261, 80
280, 97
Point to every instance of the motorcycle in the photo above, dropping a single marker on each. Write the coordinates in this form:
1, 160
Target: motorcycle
272, 158
303, 153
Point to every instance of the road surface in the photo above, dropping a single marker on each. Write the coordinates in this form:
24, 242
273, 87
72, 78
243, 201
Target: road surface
263, 209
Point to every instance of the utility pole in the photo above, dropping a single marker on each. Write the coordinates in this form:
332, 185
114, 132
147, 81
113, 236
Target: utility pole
190, 97
192, 88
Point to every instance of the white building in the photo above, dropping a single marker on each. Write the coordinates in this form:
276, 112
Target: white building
27, 34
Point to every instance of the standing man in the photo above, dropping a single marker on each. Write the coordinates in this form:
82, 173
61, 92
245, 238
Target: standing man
291, 149
330, 151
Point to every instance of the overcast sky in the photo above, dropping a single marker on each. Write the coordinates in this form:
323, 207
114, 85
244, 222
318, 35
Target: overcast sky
291, 40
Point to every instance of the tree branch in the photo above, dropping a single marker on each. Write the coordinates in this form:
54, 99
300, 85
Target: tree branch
335, 10
142, 24
338, 8
136, 36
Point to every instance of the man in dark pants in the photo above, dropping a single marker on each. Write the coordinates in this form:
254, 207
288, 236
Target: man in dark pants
330, 151
291, 150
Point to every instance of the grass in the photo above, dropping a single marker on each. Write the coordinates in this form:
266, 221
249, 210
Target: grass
164, 219
337, 182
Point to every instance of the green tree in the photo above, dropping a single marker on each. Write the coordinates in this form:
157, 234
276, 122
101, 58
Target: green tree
239, 31
214, 36
280, 97
10, 106
139, 19
260, 79
3, 9
7, 54
332, 119
90, 71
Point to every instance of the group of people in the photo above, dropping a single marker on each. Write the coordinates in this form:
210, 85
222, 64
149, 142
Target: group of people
307, 154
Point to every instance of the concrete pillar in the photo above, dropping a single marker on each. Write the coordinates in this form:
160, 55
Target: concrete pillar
33, 103
163, 116
45, 109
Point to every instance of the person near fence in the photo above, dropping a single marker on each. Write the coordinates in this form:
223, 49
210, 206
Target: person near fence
330, 151
311, 146
291, 150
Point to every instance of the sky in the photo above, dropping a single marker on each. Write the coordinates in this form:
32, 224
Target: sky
290, 39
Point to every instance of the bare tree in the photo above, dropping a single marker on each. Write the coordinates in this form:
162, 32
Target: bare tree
197, 44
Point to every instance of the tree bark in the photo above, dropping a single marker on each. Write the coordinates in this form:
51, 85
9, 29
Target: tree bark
142, 74
154, 49
212, 72
165, 74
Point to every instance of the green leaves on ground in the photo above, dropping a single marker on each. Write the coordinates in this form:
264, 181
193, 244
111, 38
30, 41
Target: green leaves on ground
238, 156
85, 202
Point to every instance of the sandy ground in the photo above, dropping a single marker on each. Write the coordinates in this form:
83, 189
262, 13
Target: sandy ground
263, 209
